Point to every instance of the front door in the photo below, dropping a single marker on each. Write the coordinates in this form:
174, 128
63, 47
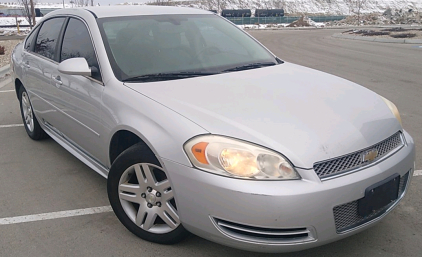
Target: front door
81, 96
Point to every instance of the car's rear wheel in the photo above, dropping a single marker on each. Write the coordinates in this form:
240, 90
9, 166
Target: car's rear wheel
142, 197
32, 127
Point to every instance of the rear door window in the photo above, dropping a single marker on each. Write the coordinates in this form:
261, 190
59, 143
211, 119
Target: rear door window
48, 36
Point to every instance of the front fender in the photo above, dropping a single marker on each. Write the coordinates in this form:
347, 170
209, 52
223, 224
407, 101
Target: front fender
161, 128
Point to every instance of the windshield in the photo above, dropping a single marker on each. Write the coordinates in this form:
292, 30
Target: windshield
139, 46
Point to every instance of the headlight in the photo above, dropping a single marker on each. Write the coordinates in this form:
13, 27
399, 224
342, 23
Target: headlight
235, 158
393, 109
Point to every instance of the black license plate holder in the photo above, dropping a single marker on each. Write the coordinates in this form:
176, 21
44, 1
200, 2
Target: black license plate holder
379, 195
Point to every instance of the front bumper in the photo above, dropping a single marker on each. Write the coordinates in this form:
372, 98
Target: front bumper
279, 216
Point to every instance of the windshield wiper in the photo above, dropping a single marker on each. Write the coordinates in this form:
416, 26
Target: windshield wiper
250, 66
168, 76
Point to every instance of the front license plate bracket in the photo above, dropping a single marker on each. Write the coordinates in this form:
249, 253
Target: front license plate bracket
379, 195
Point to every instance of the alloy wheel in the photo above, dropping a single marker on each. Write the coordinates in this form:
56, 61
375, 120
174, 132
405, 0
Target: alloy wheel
27, 112
147, 198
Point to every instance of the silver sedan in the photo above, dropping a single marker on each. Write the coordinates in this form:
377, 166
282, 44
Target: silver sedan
198, 127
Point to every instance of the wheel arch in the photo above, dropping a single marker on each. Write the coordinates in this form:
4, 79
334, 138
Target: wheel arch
121, 140
18, 85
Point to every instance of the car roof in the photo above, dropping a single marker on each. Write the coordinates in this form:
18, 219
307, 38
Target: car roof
131, 10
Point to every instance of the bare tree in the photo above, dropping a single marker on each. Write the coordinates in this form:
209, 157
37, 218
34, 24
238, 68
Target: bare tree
212, 4
28, 11
162, 2
83, 2
356, 6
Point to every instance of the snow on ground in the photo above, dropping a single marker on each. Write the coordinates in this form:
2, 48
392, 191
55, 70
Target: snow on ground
280, 25
327, 7
317, 24
39, 5
339, 7
13, 30
262, 26
12, 20
332, 7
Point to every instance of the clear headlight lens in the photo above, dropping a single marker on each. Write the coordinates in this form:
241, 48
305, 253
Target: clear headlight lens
393, 109
235, 158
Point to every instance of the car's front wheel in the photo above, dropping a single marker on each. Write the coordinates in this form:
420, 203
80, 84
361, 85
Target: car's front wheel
142, 197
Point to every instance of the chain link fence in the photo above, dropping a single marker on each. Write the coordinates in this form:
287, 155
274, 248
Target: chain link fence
278, 20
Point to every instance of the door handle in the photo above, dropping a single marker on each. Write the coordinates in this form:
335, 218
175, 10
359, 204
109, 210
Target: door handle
26, 64
57, 80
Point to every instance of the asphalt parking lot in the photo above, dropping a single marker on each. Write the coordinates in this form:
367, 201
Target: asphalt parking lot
54, 205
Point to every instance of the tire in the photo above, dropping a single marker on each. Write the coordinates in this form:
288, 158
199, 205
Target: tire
30, 122
141, 196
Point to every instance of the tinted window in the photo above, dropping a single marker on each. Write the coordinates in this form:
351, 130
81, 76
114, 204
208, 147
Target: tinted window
48, 36
77, 43
30, 40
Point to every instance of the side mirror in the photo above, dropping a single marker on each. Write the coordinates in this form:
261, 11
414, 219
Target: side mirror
75, 66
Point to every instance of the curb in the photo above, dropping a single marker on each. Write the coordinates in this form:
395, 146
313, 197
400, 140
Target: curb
296, 28
4, 79
11, 37
330, 27
5, 67
377, 39
4, 71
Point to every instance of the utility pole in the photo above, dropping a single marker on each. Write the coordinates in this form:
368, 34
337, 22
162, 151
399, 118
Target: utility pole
63, 4
92, 2
32, 12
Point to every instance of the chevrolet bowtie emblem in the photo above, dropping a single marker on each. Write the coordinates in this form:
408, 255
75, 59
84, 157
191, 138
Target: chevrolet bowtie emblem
370, 155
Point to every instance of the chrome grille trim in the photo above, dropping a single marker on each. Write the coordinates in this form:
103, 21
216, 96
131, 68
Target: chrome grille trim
264, 235
262, 232
346, 216
354, 161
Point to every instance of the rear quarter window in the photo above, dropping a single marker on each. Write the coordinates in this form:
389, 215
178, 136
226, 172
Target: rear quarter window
29, 43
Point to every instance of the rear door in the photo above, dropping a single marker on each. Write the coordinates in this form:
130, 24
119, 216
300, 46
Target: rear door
28, 51
81, 96
39, 63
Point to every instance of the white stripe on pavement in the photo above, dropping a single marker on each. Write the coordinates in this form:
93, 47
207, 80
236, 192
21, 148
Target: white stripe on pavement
11, 125
7, 91
417, 173
55, 215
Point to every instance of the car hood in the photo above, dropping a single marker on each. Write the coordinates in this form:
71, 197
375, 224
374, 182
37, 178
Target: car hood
306, 115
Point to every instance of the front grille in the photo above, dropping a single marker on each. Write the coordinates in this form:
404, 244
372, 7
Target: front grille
264, 235
346, 215
355, 160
